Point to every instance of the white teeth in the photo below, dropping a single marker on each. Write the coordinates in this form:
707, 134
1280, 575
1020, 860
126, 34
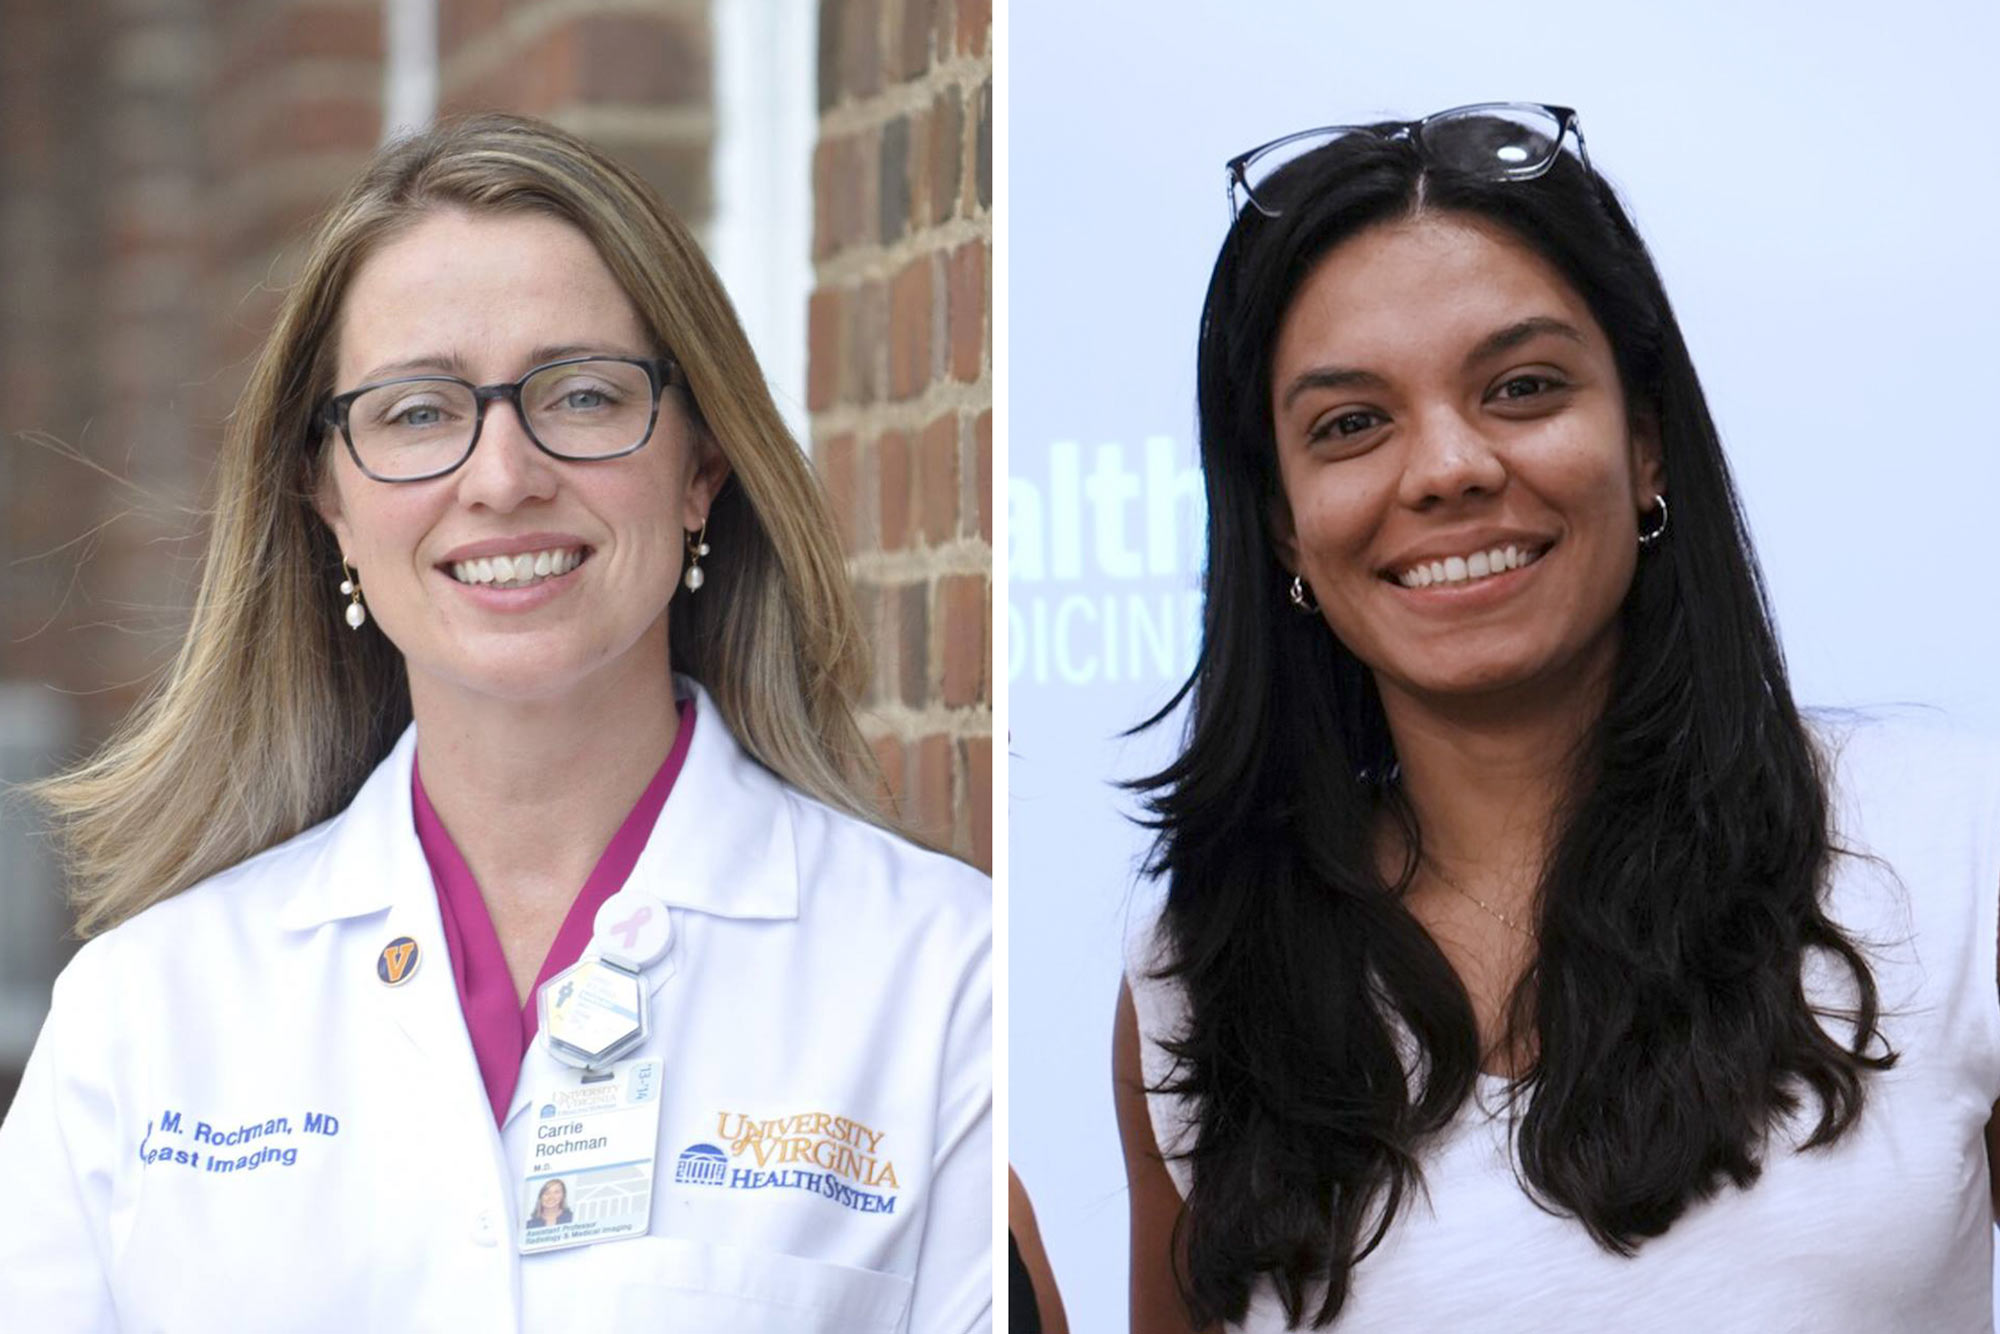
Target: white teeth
1464, 569
516, 571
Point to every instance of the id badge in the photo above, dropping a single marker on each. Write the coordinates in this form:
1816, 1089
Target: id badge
589, 1174
593, 1013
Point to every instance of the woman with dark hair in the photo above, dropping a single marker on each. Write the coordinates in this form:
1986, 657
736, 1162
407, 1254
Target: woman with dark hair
1527, 961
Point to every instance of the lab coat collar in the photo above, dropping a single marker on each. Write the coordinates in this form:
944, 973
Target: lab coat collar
723, 845
349, 878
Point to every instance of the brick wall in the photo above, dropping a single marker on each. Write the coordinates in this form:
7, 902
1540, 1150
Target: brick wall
633, 76
900, 383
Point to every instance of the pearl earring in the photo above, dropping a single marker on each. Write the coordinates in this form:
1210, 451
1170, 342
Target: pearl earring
357, 615
697, 547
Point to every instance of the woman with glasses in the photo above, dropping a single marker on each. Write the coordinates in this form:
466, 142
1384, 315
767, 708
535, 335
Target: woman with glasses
504, 829
1528, 961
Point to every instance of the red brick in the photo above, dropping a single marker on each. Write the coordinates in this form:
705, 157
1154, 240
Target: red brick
913, 53
871, 610
678, 170
966, 310
823, 349
533, 82
889, 764
864, 361
461, 21
646, 60
930, 788
982, 430
837, 469
974, 25
937, 480
962, 615
911, 631
315, 125
828, 178
946, 128
278, 36
860, 48
892, 474
910, 329
894, 179
978, 760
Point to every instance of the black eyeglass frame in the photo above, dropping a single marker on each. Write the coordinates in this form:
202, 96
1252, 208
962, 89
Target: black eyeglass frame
1567, 124
661, 373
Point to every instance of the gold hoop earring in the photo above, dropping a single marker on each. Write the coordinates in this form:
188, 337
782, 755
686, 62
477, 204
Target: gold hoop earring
350, 587
697, 547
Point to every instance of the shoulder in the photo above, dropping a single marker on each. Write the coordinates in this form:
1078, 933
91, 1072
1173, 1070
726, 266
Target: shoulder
1857, 742
868, 869
200, 925
1891, 772
227, 923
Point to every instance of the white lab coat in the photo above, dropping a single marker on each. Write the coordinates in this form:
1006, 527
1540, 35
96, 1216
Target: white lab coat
819, 966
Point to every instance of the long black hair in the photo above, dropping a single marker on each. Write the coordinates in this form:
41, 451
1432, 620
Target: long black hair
1329, 1038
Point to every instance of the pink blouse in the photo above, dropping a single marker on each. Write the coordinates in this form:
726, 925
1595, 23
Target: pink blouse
501, 1026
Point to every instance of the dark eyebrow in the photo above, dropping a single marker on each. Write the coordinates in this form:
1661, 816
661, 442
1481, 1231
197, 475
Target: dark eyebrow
1330, 377
1500, 340
450, 363
1511, 337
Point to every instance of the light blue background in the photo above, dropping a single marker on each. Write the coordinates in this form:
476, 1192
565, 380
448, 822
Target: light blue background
1820, 185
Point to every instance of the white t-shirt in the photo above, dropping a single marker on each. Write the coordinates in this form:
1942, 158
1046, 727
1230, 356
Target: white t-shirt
1890, 1229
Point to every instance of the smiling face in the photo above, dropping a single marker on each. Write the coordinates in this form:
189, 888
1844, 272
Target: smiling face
1462, 482
486, 298
553, 1194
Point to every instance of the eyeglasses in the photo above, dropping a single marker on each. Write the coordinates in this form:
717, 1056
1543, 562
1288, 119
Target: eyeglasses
581, 410
1501, 141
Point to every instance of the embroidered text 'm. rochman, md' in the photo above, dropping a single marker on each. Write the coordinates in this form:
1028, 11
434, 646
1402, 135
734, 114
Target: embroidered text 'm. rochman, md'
242, 1146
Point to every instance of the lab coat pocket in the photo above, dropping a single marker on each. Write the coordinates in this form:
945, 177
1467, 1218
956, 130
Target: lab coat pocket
679, 1287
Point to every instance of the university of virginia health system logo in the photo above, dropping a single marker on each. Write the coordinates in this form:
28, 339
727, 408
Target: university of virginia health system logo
834, 1157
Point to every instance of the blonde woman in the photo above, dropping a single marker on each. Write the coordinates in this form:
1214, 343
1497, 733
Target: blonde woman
504, 818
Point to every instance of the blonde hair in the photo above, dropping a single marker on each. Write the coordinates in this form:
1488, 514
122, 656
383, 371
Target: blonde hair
274, 712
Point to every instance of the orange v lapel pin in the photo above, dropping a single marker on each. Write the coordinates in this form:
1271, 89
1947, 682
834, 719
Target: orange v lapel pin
397, 961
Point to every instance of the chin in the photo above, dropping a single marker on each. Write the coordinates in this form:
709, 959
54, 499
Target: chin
1470, 681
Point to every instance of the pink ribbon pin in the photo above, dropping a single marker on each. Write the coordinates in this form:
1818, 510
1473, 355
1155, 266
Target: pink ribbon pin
631, 926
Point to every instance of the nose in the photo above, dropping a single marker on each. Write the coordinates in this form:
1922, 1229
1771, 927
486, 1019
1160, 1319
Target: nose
506, 470
1448, 460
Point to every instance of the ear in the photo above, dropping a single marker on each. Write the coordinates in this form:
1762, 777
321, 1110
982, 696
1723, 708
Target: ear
1284, 533
326, 503
1649, 470
711, 470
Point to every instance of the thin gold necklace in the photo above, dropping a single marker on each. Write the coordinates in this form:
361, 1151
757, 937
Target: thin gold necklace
1480, 903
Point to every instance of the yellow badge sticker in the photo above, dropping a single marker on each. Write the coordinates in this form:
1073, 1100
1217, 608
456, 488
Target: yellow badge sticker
397, 962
